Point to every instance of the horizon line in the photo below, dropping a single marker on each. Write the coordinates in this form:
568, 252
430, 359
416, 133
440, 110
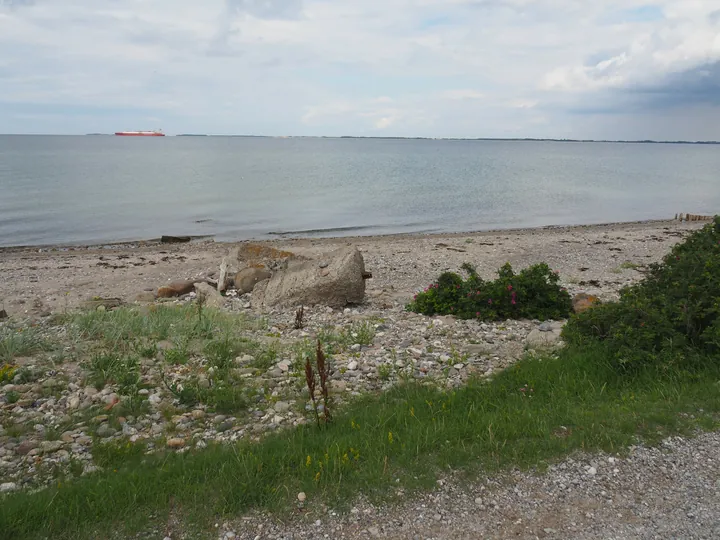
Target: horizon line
529, 139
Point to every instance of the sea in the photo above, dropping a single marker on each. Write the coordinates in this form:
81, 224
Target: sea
105, 189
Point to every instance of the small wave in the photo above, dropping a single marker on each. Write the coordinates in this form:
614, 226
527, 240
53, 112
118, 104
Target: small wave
324, 231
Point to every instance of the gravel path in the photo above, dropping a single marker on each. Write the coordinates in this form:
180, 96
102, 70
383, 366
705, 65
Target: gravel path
672, 491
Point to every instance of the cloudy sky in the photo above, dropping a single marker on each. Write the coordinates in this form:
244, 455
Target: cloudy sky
438, 68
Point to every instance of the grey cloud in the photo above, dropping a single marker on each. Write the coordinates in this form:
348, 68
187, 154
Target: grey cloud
267, 9
695, 87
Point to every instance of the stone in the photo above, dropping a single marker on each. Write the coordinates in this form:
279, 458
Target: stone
97, 302
353, 365
48, 447
244, 359
545, 327
282, 406
338, 386
167, 239
582, 302
284, 366
3, 314
105, 431
25, 447
224, 426
301, 283
7, 487
209, 295
73, 402
197, 414
301, 496
176, 288
247, 278
592, 471
145, 297
67, 437
537, 340
175, 443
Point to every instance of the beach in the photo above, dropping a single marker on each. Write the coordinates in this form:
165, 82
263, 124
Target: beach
597, 259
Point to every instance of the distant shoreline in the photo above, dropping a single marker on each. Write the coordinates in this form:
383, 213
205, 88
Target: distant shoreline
361, 137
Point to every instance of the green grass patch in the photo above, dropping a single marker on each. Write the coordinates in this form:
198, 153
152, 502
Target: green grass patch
534, 413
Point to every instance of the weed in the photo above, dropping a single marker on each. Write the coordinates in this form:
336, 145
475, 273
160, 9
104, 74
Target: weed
299, 316
384, 372
401, 439
12, 396
628, 265
177, 357
21, 342
7, 372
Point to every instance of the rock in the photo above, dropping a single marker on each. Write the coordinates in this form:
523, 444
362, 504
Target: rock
301, 496
338, 386
197, 414
67, 437
247, 278
537, 340
244, 360
545, 327
282, 406
583, 301
7, 487
209, 295
284, 366
105, 431
145, 297
166, 239
353, 365
175, 443
224, 426
48, 447
25, 447
3, 316
73, 402
176, 288
301, 283
592, 471
97, 303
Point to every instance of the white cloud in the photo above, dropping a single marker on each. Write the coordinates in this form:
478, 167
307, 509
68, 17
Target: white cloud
463, 94
401, 67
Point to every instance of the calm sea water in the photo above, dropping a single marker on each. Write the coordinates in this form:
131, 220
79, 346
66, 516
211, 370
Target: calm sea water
104, 189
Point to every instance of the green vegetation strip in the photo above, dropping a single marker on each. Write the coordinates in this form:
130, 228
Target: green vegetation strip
535, 412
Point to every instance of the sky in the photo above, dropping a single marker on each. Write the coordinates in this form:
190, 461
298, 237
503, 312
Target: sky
603, 69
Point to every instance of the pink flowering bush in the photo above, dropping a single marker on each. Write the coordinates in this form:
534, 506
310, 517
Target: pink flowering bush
671, 317
533, 293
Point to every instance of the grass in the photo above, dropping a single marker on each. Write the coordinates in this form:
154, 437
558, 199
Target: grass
21, 342
533, 413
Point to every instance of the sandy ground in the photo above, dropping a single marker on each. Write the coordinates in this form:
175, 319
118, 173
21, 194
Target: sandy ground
596, 259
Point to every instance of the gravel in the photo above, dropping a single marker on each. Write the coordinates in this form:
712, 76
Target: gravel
670, 491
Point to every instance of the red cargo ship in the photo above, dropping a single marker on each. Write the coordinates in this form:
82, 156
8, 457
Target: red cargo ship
158, 133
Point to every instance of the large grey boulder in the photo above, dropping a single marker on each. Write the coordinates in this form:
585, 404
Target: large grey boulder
336, 281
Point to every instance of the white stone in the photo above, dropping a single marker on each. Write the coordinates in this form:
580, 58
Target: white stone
7, 487
282, 406
284, 366
352, 366
301, 496
592, 471
459, 366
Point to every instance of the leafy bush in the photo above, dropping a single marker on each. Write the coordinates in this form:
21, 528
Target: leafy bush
533, 293
671, 317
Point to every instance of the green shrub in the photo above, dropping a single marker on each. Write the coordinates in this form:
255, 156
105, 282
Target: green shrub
534, 293
671, 317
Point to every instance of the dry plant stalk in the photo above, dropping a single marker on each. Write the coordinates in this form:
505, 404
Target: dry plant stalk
324, 373
310, 380
299, 318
